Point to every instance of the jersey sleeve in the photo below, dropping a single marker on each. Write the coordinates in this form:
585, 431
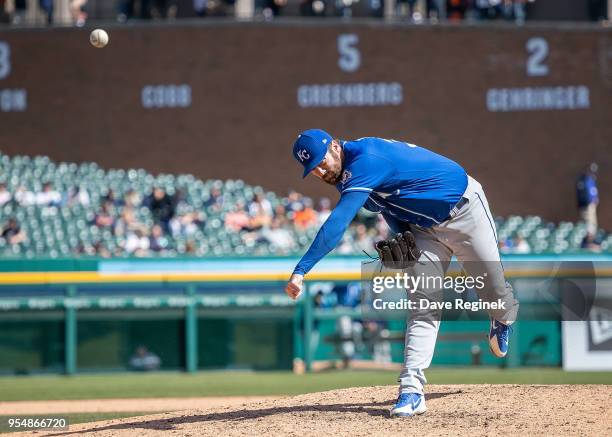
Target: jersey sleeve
367, 173
332, 230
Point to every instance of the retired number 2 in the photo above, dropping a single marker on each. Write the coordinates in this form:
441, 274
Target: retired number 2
538, 51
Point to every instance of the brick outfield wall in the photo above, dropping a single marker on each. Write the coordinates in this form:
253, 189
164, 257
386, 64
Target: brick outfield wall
85, 104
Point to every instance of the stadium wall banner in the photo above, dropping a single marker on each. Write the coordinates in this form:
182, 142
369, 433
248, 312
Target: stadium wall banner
523, 109
587, 345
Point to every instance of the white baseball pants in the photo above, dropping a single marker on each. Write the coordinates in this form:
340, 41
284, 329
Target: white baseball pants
471, 237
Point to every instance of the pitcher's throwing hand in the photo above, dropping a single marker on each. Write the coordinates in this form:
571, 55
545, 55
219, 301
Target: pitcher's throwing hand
294, 286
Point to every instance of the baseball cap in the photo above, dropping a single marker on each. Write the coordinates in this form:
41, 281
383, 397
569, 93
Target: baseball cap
310, 148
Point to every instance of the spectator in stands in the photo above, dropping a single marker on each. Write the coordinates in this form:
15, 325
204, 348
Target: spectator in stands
324, 210
192, 249
144, 360
280, 214
24, 197
20, 7
503, 246
157, 241
137, 243
19, 12
305, 217
237, 220
588, 197
47, 7
456, 9
215, 201
187, 224
590, 243
12, 232
77, 195
363, 240
127, 223
294, 202
382, 229
180, 199
508, 9
404, 8
4, 16
100, 250
489, 9
200, 7
413, 15
104, 218
272, 8
132, 198
165, 9
162, 207
5, 195
260, 205
48, 196
127, 10
260, 211
346, 246
515, 9
111, 197
344, 8
520, 246
313, 8
279, 237
432, 10
77, 12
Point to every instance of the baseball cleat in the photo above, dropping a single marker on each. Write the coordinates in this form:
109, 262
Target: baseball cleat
409, 404
499, 337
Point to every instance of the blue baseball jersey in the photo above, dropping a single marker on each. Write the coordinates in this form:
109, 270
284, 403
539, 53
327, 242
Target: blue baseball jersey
404, 182
408, 182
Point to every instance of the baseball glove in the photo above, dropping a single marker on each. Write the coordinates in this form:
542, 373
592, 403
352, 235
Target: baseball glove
398, 252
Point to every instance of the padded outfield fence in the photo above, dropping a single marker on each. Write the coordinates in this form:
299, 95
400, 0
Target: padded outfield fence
76, 315
90, 315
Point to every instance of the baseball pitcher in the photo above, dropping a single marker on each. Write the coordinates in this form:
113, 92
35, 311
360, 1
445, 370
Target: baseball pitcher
438, 211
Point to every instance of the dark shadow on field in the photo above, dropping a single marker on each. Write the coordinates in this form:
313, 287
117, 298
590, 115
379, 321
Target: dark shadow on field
370, 408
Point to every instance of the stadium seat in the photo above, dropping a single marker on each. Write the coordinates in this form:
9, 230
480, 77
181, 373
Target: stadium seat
64, 231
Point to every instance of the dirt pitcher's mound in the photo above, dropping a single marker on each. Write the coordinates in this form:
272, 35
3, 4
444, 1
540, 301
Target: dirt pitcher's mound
471, 410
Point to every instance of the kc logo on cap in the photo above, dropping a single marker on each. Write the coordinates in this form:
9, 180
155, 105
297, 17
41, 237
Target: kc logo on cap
303, 155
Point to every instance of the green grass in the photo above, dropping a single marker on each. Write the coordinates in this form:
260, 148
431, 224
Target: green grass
125, 385
72, 418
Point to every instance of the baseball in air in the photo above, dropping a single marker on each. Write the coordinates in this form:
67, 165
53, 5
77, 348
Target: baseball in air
98, 38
